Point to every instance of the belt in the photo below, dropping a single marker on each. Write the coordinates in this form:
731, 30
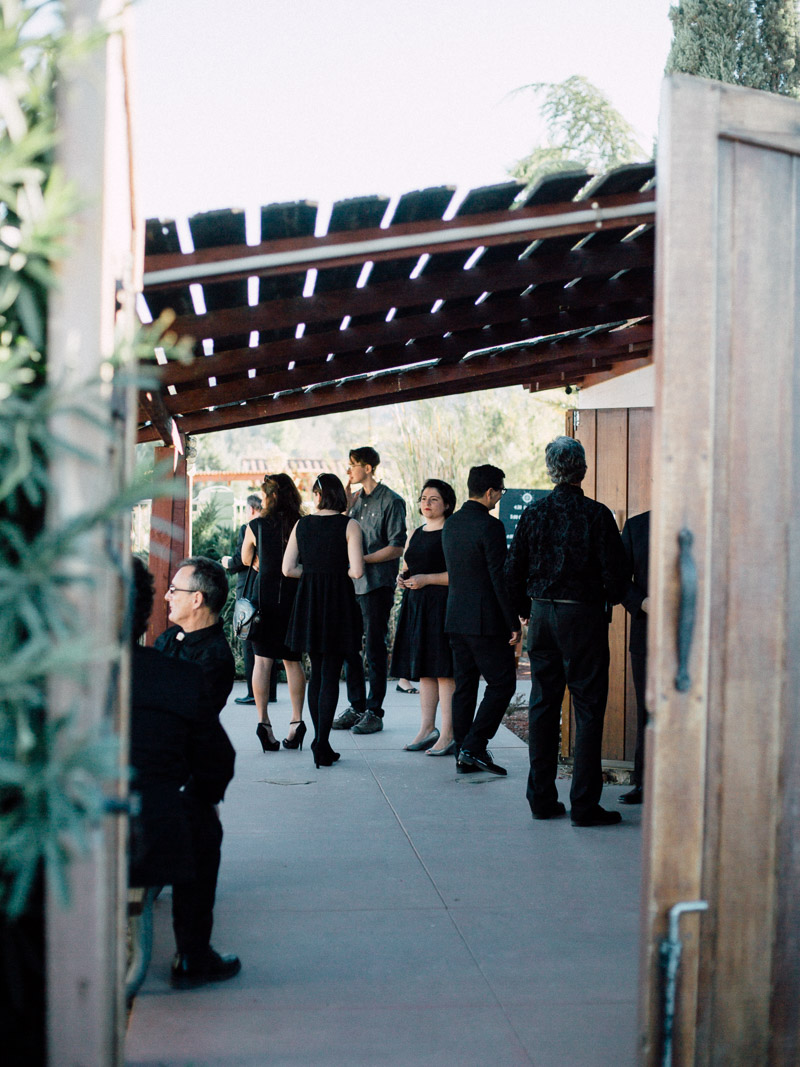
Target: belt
555, 600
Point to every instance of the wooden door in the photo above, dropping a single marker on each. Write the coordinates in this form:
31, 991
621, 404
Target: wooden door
723, 777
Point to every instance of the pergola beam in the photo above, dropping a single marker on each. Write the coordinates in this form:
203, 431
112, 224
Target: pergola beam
349, 249
332, 306
516, 367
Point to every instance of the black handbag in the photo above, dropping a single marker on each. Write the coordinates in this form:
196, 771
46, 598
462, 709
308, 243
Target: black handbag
247, 610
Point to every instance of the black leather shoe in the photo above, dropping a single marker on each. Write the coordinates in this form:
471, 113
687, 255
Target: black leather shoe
470, 762
244, 700
552, 811
634, 796
190, 971
598, 817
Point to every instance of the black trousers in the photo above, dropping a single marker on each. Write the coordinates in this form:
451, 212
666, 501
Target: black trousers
568, 646
323, 694
639, 672
493, 658
193, 901
376, 607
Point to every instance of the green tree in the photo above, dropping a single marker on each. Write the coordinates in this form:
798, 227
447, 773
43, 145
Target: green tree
744, 42
584, 131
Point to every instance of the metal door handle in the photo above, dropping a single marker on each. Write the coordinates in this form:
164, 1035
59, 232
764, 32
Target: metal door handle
686, 607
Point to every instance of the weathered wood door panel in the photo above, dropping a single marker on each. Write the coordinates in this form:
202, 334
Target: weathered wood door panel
723, 777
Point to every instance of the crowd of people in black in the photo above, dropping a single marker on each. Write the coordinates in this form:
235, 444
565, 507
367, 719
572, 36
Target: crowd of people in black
326, 585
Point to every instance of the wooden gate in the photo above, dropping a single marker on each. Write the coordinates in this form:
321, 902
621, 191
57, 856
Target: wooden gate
723, 779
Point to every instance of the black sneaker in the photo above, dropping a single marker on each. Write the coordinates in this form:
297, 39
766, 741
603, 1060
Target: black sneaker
348, 718
190, 971
369, 723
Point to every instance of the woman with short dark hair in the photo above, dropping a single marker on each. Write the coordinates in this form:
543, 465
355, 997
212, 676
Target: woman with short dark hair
421, 647
325, 552
264, 543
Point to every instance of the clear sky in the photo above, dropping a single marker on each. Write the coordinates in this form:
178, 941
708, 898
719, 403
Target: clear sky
248, 102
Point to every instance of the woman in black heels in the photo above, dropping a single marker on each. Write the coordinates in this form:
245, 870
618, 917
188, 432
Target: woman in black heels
264, 544
325, 553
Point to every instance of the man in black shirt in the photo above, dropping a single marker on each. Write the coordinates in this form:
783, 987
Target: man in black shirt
565, 564
196, 597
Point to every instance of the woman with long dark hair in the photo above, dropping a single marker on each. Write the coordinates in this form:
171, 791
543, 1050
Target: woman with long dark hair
325, 552
264, 542
421, 647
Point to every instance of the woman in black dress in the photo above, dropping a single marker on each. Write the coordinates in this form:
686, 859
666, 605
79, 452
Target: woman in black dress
265, 541
421, 647
325, 553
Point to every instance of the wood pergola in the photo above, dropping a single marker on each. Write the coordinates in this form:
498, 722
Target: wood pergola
402, 300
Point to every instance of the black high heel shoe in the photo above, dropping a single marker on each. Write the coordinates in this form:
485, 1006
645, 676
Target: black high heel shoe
296, 740
262, 733
325, 756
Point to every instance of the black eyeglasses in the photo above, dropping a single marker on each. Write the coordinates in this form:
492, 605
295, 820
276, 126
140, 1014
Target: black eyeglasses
177, 589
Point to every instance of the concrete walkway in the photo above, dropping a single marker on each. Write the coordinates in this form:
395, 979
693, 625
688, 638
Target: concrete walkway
389, 911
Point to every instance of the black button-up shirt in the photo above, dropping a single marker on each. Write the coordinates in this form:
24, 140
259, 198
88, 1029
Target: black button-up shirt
209, 648
566, 547
381, 515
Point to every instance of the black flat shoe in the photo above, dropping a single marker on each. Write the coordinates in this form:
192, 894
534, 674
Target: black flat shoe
190, 971
296, 740
633, 796
471, 762
552, 811
244, 700
598, 817
262, 733
411, 691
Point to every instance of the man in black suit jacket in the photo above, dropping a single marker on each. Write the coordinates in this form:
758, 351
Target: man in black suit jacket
636, 542
482, 625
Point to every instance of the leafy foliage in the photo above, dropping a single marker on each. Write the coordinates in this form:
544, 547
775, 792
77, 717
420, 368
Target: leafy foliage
584, 131
52, 771
744, 42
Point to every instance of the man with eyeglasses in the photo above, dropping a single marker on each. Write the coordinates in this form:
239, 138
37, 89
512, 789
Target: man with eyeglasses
480, 620
381, 514
196, 598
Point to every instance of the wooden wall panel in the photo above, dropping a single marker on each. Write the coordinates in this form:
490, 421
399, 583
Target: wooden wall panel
169, 538
611, 464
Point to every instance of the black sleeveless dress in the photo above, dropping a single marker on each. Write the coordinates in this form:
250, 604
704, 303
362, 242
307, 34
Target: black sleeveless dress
326, 617
276, 593
421, 647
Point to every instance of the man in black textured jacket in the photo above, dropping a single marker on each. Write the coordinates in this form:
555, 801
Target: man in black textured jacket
565, 565
480, 620
196, 597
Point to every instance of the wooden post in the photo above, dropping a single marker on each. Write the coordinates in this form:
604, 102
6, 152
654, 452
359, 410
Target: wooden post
85, 1011
169, 536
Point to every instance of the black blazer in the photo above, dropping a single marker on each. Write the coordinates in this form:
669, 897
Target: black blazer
478, 603
636, 541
